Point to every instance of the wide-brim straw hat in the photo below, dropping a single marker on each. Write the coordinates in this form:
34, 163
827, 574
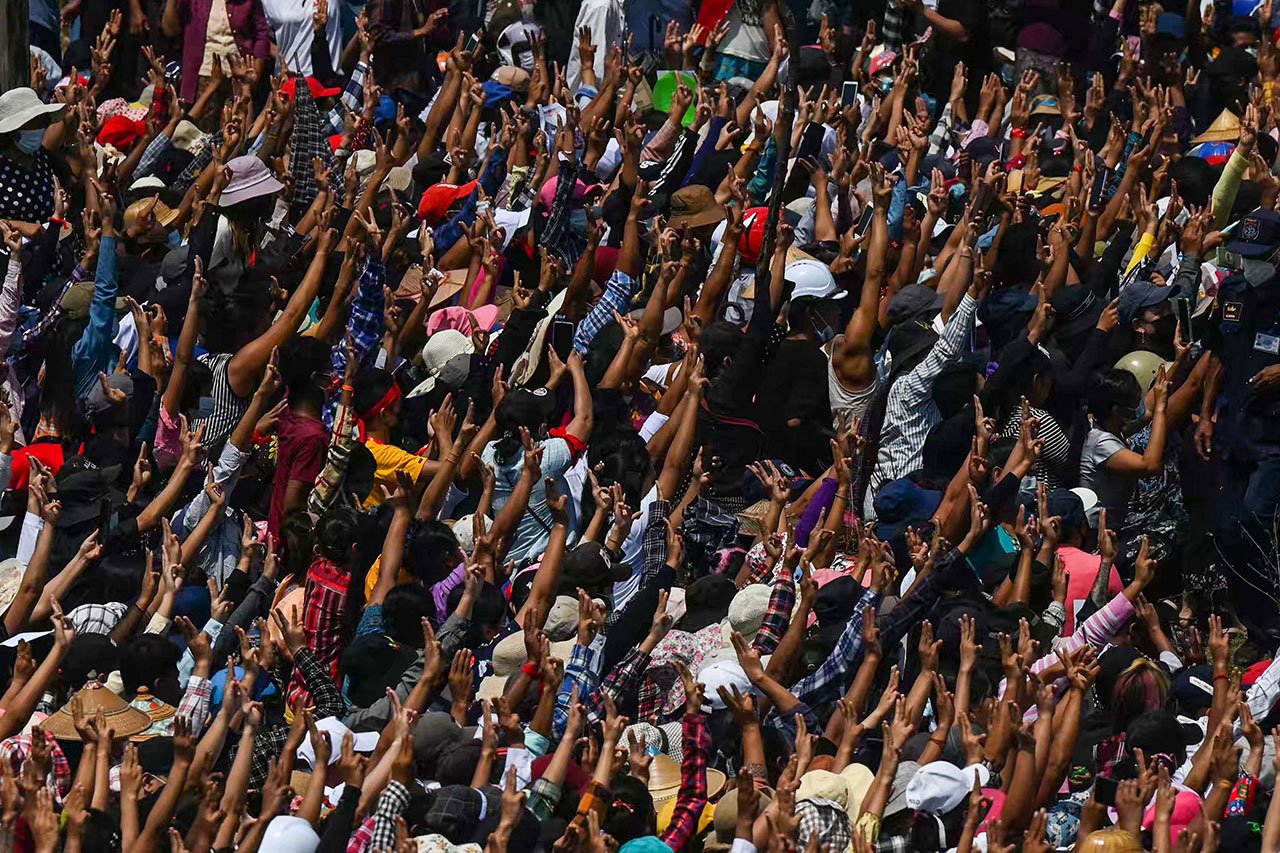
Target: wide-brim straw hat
122, 719
664, 780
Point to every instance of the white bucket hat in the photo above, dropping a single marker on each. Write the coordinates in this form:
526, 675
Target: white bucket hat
22, 106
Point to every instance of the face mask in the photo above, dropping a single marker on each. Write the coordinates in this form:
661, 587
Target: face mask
29, 141
821, 329
1258, 273
578, 221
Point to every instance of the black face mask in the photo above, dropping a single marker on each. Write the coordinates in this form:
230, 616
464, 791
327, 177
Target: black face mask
1160, 339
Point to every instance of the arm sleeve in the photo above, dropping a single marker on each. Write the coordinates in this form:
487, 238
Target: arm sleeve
1224, 193
89, 353
10, 300
337, 828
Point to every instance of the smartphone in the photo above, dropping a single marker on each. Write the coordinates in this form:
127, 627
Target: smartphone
473, 41
848, 94
1096, 200
1104, 790
1182, 310
562, 338
104, 517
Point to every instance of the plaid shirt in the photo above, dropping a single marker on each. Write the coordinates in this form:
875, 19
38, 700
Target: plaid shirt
392, 803
366, 323
335, 123
307, 142
653, 551
563, 241
777, 617
270, 739
324, 603
98, 618
195, 702
544, 796
616, 297
583, 669
692, 798
14, 752
828, 682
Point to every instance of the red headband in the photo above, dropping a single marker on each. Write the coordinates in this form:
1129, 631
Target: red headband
392, 395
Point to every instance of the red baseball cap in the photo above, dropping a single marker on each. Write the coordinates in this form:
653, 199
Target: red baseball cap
437, 200
318, 89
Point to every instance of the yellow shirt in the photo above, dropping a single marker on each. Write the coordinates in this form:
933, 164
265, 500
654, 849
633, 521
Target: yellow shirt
389, 460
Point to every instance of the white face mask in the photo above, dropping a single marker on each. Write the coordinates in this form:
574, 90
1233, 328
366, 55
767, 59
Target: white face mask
29, 141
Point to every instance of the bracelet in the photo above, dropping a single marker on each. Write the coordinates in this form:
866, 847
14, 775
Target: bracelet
942, 742
348, 387
532, 670
1221, 675
1018, 133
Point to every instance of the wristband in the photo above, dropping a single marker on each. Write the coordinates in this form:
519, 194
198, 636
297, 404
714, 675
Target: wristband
532, 670
1221, 675
1018, 133
348, 387
1078, 168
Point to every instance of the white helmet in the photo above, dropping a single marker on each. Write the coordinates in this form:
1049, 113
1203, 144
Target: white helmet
812, 279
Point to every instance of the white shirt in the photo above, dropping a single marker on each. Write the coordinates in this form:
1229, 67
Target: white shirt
291, 22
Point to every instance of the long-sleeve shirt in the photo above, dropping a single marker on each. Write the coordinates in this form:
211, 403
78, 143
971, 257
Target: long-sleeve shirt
493, 173
247, 22
582, 669
828, 682
616, 297
692, 798
94, 352
392, 803
271, 738
911, 414
777, 616
324, 604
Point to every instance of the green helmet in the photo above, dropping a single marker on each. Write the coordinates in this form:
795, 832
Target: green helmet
1144, 365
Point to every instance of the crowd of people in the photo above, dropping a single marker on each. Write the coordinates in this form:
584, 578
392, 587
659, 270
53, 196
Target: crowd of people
652, 426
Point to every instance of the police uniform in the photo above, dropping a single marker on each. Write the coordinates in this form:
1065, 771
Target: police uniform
1246, 449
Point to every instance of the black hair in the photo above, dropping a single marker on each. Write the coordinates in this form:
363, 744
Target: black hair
147, 659
402, 612
101, 833
509, 415
719, 341
337, 533
298, 535
370, 386
1110, 389
431, 552
1156, 732
954, 387
631, 813
457, 766
232, 319
301, 358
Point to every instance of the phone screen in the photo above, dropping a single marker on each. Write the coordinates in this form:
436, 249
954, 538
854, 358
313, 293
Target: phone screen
849, 94
562, 338
1182, 309
104, 516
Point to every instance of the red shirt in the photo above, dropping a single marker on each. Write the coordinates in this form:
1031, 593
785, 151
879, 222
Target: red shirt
304, 442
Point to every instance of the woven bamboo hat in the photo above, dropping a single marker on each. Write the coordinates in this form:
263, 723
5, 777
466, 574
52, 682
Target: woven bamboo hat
664, 780
1225, 128
122, 719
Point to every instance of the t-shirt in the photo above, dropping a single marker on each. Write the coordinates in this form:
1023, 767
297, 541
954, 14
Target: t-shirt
746, 38
794, 386
534, 530
1113, 490
1083, 568
291, 22
303, 443
389, 460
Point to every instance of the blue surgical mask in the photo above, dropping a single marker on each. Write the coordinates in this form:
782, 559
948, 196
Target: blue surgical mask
821, 329
29, 141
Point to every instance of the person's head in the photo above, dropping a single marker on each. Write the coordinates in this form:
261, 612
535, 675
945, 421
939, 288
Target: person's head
719, 342
814, 318
297, 543
1037, 378
432, 552
1113, 399
631, 813
307, 371
523, 408
402, 612
337, 535
377, 399
151, 661
229, 320
1160, 737
24, 119
1142, 687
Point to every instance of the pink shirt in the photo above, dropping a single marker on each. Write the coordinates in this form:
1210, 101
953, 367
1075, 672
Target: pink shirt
1083, 568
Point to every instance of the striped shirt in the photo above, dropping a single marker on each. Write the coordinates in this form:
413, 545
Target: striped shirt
228, 407
911, 414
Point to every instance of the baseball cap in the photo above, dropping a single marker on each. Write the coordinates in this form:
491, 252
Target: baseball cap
1258, 234
1141, 295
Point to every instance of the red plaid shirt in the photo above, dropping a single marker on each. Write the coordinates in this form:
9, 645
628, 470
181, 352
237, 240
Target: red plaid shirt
692, 798
324, 603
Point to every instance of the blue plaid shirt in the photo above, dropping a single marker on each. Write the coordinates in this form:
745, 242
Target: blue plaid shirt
829, 682
366, 322
616, 297
583, 669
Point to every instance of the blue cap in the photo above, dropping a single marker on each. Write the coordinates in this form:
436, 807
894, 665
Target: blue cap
1171, 24
1141, 295
1257, 235
901, 503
